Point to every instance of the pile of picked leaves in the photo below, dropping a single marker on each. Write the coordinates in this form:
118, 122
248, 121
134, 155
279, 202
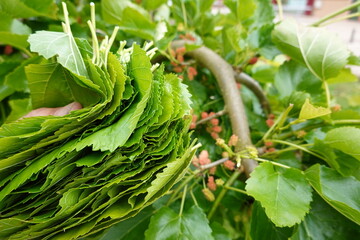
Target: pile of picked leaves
62, 177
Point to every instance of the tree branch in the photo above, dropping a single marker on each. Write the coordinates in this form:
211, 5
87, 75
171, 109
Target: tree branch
224, 75
255, 87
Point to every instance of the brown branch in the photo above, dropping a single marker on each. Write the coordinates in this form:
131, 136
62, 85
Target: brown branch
255, 87
218, 114
224, 75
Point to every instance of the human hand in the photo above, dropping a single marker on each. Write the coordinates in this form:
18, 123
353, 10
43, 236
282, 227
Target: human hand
59, 111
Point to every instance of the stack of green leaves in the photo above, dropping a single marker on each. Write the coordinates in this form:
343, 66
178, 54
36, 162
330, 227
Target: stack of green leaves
62, 177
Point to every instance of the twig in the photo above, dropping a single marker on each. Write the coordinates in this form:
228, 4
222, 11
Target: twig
255, 87
236, 190
339, 19
281, 15
273, 163
218, 114
298, 147
213, 164
328, 17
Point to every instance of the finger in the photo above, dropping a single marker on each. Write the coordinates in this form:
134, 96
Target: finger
67, 109
59, 111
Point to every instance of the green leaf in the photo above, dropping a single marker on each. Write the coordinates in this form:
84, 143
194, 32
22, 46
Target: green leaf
342, 193
19, 107
354, 60
264, 13
285, 195
11, 225
50, 86
325, 223
117, 134
345, 139
309, 111
243, 9
264, 73
219, 232
129, 16
166, 224
8, 24
344, 76
345, 164
17, 78
152, 4
294, 77
323, 53
29, 8
170, 174
16, 40
261, 224
50, 44
130, 229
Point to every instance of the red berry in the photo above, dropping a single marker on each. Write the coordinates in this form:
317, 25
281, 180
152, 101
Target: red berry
214, 135
211, 183
270, 150
229, 165
212, 170
253, 60
214, 121
178, 69
216, 129
8, 50
204, 115
233, 140
270, 122
271, 116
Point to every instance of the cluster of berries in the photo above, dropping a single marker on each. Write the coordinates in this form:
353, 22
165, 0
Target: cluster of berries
179, 66
212, 183
213, 125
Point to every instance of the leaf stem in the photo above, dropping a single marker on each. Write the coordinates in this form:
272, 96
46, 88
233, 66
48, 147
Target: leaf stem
27, 52
298, 147
236, 190
96, 53
346, 121
194, 198
92, 13
278, 124
183, 201
273, 163
327, 93
221, 195
92, 26
110, 43
281, 15
183, 184
341, 19
332, 15
184, 14
66, 17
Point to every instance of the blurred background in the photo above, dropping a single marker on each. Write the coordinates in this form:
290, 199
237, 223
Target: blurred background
309, 11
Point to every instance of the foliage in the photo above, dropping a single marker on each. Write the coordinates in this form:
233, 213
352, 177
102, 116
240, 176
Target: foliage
111, 160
